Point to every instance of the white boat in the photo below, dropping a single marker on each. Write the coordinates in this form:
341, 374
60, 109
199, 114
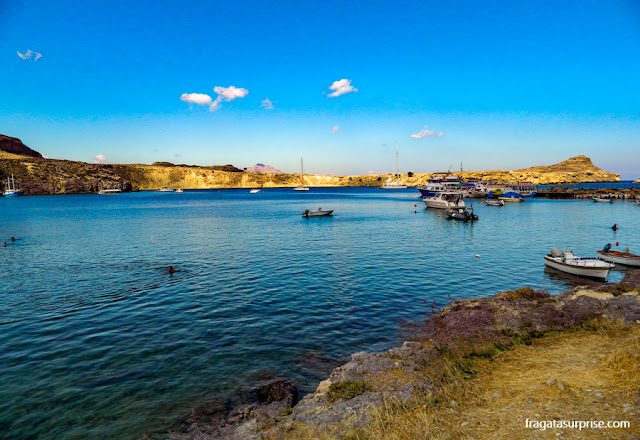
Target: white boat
625, 258
109, 191
301, 187
179, 190
317, 213
165, 189
495, 202
254, 191
445, 200
602, 200
584, 267
511, 199
397, 184
10, 190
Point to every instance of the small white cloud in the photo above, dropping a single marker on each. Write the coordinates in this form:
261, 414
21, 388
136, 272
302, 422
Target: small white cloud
335, 129
425, 132
227, 94
30, 55
100, 158
266, 104
341, 87
196, 98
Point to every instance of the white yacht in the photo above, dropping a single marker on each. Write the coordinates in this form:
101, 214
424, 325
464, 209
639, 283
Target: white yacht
302, 187
445, 200
389, 184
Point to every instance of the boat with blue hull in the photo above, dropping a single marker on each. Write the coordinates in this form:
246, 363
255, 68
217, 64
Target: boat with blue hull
522, 190
10, 190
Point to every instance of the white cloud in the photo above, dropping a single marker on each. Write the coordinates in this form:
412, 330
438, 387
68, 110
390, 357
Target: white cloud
196, 98
341, 87
100, 158
425, 132
266, 104
335, 129
227, 94
30, 55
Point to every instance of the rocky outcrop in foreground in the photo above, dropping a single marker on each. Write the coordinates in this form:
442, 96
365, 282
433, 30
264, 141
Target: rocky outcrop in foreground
442, 346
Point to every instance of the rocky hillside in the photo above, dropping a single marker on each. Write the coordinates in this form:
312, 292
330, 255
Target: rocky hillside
35, 175
15, 146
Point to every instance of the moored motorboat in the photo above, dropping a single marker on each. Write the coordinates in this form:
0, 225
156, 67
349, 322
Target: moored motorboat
460, 214
179, 190
584, 267
602, 200
110, 191
445, 200
317, 213
254, 191
165, 189
495, 202
626, 258
511, 199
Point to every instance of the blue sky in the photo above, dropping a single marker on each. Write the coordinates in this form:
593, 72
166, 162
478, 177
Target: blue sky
508, 84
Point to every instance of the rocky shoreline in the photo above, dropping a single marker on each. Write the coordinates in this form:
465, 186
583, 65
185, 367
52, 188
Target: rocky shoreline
444, 345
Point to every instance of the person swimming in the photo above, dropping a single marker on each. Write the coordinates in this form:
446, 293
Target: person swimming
171, 270
614, 227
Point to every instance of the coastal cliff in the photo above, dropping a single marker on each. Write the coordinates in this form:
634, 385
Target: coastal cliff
35, 175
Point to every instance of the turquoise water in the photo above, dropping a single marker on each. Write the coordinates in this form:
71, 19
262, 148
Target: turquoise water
97, 340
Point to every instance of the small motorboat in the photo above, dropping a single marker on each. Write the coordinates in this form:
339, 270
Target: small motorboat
317, 213
254, 191
495, 202
179, 190
511, 199
625, 258
445, 200
584, 267
602, 200
165, 189
110, 191
461, 214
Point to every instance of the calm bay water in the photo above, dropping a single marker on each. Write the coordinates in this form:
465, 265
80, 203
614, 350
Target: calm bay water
97, 340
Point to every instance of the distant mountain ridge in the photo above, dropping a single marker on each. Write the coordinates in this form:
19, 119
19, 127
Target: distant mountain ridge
36, 175
262, 168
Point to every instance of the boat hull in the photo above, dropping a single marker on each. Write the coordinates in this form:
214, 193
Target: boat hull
11, 193
620, 258
512, 199
443, 204
301, 188
598, 272
393, 187
318, 213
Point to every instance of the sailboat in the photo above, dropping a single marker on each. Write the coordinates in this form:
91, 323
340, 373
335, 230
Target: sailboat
301, 187
10, 190
394, 185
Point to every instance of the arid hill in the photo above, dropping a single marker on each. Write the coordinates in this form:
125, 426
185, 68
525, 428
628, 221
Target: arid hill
35, 175
15, 146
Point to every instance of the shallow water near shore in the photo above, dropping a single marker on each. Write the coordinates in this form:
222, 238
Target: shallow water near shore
97, 340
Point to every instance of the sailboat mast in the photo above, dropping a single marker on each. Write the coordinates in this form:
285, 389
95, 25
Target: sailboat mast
301, 167
397, 167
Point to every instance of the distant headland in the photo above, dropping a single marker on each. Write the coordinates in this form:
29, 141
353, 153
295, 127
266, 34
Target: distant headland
36, 175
